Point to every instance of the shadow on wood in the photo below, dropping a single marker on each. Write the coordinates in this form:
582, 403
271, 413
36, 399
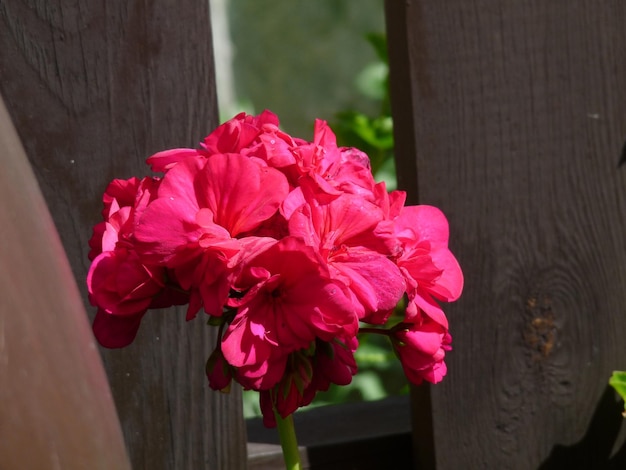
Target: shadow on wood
595, 448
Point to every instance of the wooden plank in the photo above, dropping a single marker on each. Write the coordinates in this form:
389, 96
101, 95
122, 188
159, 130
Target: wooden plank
47, 409
518, 118
366, 435
94, 87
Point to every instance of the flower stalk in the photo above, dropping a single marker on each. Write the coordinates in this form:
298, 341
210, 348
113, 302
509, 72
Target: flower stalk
375, 331
288, 441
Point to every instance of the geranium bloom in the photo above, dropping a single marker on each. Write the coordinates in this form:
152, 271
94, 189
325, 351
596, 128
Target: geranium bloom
333, 363
343, 230
421, 348
238, 133
116, 331
288, 245
289, 393
122, 200
119, 282
218, 371
289, 301
233, 136
431, 270
203, 205
329, 170
306, 373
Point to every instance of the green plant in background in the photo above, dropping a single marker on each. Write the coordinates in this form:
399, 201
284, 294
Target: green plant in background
372, 134
618, 382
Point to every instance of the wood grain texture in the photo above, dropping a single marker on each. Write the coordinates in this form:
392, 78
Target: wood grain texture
94, 87
47, 410
517, 117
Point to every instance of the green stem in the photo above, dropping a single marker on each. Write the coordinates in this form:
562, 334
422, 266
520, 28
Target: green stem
288, 441
376, 331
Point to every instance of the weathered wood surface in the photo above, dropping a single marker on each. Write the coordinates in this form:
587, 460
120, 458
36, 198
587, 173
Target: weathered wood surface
511, 117
94, 87
47, 409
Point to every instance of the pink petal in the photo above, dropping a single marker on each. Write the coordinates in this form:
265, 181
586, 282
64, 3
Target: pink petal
240, 192
449, 285
166, 226
116, 331
162, 161
431, 308
427, 222
375, 280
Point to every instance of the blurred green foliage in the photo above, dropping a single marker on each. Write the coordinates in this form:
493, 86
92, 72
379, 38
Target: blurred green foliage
373, 134
618, 382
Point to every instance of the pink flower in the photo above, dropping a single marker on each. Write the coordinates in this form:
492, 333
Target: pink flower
343, 230
289, 301
421, 348
116, 331
333, 364
306, 373
288, 245
329, 170
123, 200
117, 328
275, 147
262, 374
218, 371
238, 133
162, 162
288, 394
431, 270
128, 193
203, 205
205, 201
119, 283
233, 136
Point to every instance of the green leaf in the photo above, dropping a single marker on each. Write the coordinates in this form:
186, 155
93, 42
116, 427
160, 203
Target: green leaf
618, 382
216, 321
372, 81
379, 42
375, 132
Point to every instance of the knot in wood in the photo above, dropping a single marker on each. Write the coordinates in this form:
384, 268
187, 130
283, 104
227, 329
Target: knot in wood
540, 328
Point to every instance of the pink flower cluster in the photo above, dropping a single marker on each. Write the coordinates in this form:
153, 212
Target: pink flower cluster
289, 246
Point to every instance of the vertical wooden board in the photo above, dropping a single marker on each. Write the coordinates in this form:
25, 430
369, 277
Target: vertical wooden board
517, 112
95, 87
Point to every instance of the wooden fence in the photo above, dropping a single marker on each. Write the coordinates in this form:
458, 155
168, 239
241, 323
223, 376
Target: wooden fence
516, 112
510, 116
